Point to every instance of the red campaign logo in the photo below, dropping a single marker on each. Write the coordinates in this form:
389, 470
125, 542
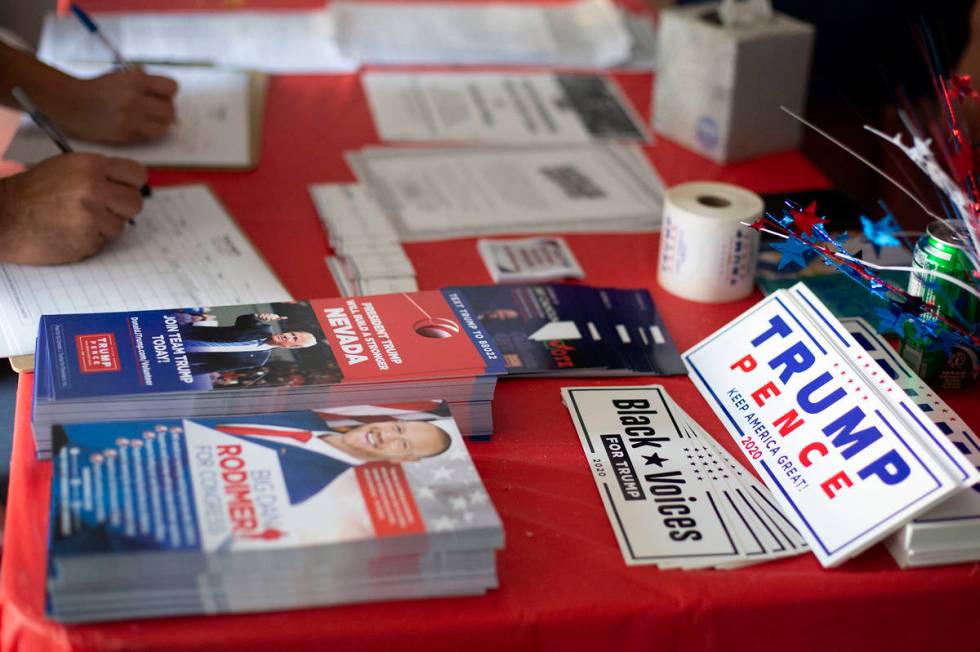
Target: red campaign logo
97, 352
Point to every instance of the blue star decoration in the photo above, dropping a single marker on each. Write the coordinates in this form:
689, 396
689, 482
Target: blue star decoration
924, 330
946, 340
881, 233
892, 319
792, 251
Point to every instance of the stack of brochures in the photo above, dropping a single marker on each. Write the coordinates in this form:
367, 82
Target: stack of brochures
368, 256
264, 512
950, 532
447, 193
357, 274
574, 330
214, 361
587, 33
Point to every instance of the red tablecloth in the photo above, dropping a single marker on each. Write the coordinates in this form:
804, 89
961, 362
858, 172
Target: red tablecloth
563, 583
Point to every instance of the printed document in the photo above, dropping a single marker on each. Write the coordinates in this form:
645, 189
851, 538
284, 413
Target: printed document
184, 250
500, 107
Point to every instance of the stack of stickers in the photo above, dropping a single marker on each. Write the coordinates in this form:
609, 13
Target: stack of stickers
263, 512
368, 257
674, 497
411, 348
574, 330
850, 455
950, 532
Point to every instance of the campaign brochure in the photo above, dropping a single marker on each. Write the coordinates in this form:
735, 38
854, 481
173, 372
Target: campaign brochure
210, 361
265, 511
574, 330
528, 260
949, 532
849, 456
673, 496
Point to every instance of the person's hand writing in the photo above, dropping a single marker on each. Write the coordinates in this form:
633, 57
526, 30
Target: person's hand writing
119, 108
67, 207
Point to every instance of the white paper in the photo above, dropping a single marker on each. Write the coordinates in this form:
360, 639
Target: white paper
588, 33
184, 250
271, 41
369, 258
213, 129
352, 217
847, 454
499, 107
452, 193
530, 259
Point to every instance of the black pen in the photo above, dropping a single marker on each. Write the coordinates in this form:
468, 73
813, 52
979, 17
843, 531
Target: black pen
44, 124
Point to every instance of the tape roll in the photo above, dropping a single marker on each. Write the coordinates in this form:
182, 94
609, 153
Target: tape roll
706, 254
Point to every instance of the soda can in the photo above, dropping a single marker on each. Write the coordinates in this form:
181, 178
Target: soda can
941, 250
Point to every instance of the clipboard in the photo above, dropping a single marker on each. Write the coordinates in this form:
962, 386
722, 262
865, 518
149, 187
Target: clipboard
237, 145
258, 85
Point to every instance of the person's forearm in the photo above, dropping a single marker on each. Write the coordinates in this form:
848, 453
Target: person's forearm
42, 83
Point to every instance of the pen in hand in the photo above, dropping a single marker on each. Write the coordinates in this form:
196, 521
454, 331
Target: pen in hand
45, 124
93, 29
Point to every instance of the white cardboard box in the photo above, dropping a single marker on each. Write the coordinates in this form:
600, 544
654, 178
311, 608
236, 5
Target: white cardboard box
719, 88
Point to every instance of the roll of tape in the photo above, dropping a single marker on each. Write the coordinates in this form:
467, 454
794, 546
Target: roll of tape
706, 254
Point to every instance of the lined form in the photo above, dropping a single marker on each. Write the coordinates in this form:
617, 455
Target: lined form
184, 250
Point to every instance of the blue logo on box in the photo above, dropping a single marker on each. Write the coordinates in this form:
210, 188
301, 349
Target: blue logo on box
707, 132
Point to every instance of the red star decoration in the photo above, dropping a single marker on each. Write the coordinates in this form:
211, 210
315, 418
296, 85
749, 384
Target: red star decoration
806, 219
961, 85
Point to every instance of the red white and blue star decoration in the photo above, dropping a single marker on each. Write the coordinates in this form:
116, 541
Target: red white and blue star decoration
804, 236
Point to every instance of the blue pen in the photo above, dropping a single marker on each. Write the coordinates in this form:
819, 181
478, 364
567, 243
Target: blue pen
93, 28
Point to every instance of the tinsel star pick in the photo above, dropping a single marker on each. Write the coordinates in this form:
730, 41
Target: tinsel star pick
806, 220
792, 251
881, 233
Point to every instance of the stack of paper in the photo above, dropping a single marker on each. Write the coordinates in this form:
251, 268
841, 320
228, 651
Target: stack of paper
500, 107
850, 456
219, 122
674, 497
574, 330
270, 41
368, 256
263, 512
950, 532
254, 358
435, 194
588, 33
183, 249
